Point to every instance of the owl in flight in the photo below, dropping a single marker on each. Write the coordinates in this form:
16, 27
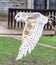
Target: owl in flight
34, 24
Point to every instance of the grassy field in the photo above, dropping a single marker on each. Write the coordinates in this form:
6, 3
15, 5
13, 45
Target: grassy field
50, 40
39, 56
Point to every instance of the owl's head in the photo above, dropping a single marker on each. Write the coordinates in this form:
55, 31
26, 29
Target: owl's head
19, 17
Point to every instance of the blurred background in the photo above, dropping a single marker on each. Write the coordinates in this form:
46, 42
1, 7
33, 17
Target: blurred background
9, 8
11, 32
31, 4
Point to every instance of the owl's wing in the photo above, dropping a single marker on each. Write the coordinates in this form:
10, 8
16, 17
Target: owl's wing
31, 34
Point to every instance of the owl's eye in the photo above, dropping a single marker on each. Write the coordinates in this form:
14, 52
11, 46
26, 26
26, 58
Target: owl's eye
18, 16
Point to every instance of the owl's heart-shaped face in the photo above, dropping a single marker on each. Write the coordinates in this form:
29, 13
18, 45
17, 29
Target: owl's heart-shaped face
19, 17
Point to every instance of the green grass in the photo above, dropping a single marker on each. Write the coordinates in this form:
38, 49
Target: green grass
50, 40
9, 49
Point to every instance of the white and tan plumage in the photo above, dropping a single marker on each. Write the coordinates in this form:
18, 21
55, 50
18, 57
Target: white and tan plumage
34, 23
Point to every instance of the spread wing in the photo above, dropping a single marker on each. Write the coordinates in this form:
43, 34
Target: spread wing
31, 33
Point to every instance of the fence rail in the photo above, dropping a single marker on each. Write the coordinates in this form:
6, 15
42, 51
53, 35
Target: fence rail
13, 24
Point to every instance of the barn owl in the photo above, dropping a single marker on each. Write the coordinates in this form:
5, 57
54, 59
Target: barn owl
34, 24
